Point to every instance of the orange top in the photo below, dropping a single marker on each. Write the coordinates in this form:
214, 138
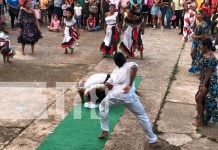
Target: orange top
43, 4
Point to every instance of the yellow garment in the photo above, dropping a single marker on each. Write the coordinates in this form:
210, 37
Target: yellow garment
43, 4
199, 4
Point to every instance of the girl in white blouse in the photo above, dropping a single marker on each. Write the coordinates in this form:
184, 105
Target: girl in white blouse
70, 32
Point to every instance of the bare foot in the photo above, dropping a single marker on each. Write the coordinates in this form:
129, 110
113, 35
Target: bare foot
10, 62
66, 52
103, 135
198, 122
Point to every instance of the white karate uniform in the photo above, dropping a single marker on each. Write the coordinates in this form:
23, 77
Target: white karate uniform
120, 78
95, 79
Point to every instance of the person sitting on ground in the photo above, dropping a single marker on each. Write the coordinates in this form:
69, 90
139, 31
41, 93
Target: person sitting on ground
91, 24
55, 24
93, 83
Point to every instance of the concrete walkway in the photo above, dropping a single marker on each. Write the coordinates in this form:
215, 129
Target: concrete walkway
179, 111
50, 65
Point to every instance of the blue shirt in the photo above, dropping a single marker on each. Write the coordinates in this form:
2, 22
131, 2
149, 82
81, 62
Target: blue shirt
14, 3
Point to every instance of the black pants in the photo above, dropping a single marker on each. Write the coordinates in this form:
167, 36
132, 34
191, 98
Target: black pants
13, 14
179, 17
216, 40
96, 18
58, 11
182, 21
101, 95
50, 12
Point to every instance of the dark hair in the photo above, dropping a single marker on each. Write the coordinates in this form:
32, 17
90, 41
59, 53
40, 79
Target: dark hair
119, 59
209, 2
113, 5
25, 2
53, 15
70, 10
208, 42
201, 11
132, 10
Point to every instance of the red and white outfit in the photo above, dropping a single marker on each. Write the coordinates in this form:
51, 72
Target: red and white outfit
5, 46
70, 35
189, 24
112, 35
132, 38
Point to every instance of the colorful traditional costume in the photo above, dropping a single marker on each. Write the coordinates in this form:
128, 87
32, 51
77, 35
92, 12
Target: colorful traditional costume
132, 38
70, 35
112, 36
5, 46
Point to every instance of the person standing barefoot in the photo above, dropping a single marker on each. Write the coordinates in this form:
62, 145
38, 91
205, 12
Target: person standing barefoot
122, 92
71, 33
207, 93
109, 45
29, 27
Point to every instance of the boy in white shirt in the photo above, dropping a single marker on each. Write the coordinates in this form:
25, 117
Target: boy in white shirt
122, 92
78, 15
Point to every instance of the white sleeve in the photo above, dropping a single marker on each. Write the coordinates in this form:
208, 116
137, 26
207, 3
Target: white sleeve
74, 20
131, 64
110, 81
116, 14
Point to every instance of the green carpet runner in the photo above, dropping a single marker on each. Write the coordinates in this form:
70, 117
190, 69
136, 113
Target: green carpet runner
81, 134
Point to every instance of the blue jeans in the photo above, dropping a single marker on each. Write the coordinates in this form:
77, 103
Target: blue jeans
166, 11
78, 20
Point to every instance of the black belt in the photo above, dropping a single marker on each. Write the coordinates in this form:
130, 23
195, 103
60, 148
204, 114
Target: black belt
108, 76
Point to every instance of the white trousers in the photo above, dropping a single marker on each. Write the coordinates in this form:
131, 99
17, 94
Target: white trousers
135, 106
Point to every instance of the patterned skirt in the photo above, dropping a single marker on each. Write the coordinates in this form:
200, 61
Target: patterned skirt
211, 109
195, 66
132, 41
30, 34
70, 36
6, 51
110, 41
